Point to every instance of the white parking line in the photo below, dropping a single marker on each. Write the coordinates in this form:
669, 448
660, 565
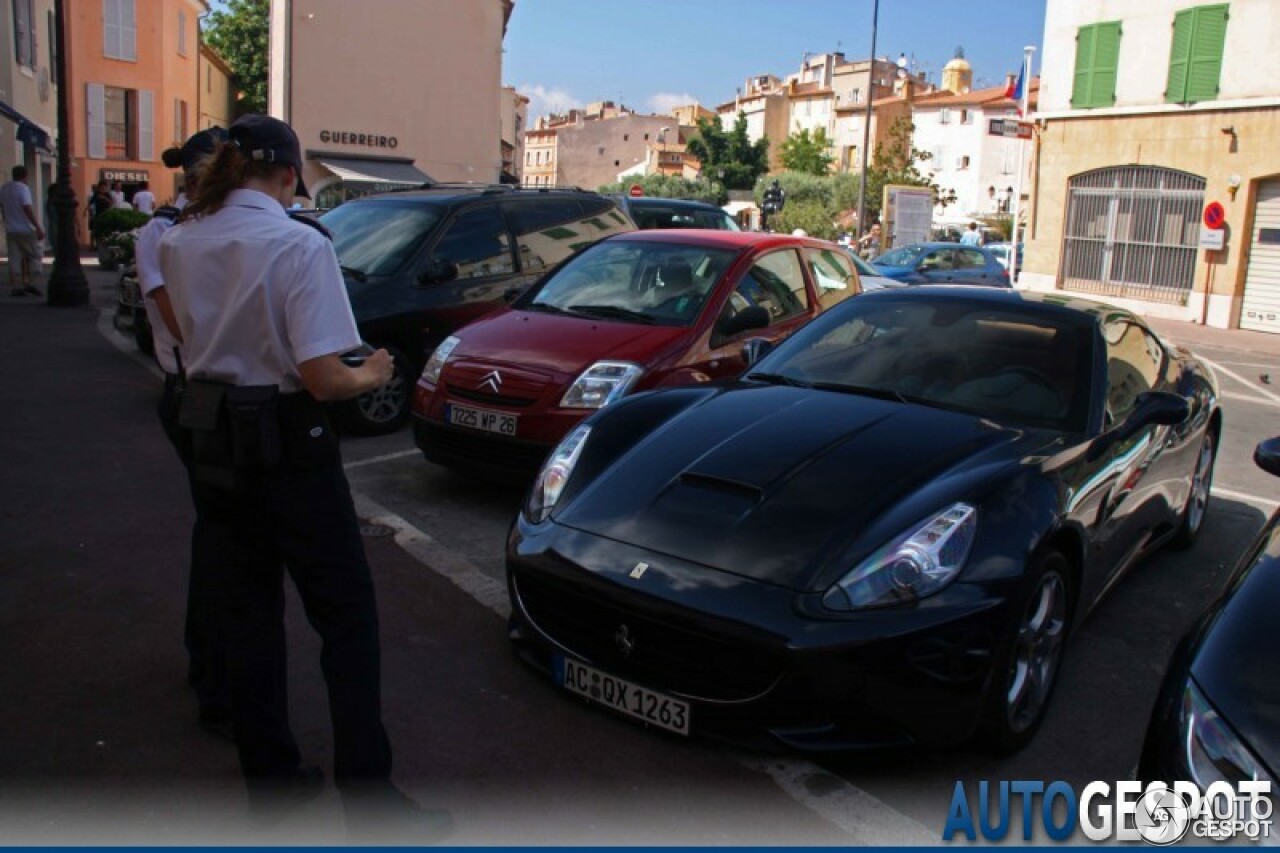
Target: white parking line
1265, 503
1248, 398
386, 457
126, 345
1218, 368
866, 819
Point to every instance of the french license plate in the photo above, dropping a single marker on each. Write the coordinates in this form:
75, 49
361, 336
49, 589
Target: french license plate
481, 419
643, 704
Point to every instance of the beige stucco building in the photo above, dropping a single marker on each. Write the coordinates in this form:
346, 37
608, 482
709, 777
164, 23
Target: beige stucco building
514, 117
217, 91
28, 96
1150, 110
421, 99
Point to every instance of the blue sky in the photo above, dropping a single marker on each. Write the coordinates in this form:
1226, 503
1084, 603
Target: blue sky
654, 54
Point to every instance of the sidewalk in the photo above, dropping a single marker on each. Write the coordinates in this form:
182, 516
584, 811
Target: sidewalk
1192, 335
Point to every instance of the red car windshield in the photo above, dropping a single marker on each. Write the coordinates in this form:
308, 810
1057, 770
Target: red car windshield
665, 284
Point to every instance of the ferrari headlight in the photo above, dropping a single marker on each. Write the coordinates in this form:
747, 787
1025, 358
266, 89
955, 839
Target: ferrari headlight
1213, 752
435, 364
916, 564
555, 474
601, 384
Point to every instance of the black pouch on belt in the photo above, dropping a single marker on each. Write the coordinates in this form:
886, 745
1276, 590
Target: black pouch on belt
255, 425
203, 419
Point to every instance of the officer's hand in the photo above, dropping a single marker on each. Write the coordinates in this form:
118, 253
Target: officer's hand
380, 367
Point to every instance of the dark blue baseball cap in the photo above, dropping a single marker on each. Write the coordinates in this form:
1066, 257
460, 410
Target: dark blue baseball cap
266, 139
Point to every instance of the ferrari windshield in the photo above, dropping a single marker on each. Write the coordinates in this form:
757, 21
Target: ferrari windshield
665, 284
1008, 364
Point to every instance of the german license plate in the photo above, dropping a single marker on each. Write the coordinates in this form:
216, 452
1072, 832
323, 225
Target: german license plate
482, 419
635, 701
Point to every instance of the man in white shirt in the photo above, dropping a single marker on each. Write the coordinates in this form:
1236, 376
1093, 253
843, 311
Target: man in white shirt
972, 237
22, 234
144, 199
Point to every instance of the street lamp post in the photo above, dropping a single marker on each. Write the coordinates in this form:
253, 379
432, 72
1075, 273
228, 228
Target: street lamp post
67, 284
866, 123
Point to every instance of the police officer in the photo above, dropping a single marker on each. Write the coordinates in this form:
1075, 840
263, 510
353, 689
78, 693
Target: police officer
206, 645
264, 316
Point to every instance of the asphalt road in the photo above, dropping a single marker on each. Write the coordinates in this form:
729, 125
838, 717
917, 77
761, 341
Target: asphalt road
100, 748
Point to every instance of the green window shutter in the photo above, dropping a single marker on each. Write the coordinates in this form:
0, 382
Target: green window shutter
1084, 66
1106, 58
1205, 66
1175, 91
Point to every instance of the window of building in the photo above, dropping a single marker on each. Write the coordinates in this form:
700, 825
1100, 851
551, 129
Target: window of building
1195, 60
944, 116
208, 78
182, 33
646, 137
625, 137
179, 121
118, 106
1097, 56
857, 96
1133, 232
120, 123
962, 162
965, 118
24, 33
119, 30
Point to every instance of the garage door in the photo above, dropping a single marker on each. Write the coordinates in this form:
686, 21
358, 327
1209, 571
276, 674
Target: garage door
1261, 309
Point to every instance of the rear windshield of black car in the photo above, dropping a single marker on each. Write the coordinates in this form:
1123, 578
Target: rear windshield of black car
659, 215
376, 238
1006, 363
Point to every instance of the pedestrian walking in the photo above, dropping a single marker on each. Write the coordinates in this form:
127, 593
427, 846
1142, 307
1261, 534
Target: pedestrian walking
144, 199
264, 318
971, 237
204, 636
99, 202
22, 234
117, 196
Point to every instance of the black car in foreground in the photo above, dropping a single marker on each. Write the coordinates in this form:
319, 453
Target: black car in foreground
421, 264
1218, 714
880, 535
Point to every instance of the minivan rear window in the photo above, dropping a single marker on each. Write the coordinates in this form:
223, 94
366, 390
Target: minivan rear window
376, 238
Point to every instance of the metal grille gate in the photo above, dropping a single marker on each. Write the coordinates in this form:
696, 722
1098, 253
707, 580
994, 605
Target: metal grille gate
1132, 231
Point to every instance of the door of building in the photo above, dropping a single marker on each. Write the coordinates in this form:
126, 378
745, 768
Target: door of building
1261, 308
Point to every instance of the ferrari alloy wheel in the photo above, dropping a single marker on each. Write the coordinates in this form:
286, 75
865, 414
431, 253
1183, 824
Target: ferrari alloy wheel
1022, 688
1193, 514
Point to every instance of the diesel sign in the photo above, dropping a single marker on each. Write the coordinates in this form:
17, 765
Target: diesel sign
370, 140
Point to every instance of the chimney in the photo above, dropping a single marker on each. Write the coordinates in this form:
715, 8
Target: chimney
908, 89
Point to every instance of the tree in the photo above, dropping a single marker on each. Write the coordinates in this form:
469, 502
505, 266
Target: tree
730, 158
808, 154
240, 35
808, 214
895, 162
669, 186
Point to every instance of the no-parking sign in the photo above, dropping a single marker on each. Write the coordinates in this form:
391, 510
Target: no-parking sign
1215, 215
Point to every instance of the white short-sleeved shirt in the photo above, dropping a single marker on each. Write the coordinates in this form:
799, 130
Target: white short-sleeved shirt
145, 200
146, 256
970, 238
13, 197
255, 293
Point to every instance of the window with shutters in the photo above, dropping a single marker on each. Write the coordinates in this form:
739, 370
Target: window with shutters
1097, 56
182, 32
1195, 59
53, 48
119, 30
117, 115
24, 33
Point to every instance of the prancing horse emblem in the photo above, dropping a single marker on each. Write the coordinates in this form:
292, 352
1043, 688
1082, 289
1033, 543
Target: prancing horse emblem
493, 381
625, 644
639, 570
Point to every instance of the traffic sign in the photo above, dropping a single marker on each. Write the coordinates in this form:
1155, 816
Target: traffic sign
1213, 239
635, 191
1009, 128
1215, 215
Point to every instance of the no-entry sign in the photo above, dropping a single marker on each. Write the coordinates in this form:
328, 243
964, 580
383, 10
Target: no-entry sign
635, 191
1215, 215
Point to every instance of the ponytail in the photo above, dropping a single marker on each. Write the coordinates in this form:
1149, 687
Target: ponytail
219, 173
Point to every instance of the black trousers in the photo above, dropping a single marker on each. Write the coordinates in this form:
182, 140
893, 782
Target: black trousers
203, 635
298, 516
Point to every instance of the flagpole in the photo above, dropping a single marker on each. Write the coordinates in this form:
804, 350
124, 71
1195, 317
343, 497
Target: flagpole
1022, 151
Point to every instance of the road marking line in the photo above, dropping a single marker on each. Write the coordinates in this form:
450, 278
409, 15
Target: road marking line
1237, 377
1257, 401
1272, 366
854, 811
386, 457
1267, 503
107, 328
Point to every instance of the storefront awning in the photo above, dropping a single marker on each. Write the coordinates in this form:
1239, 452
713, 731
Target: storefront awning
378, 173
29, 132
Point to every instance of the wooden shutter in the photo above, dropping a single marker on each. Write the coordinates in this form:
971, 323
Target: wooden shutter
96, 110
111, 28
1175, 91
1106, 58
128, 31
146, 125
1204, 68
1084, 66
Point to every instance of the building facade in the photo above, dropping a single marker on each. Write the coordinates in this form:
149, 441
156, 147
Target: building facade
408, 112
217, 89
1149, 111
131, 90
28, 96
515, 115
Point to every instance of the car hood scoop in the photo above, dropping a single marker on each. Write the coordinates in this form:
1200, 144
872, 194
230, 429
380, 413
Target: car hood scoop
769, 482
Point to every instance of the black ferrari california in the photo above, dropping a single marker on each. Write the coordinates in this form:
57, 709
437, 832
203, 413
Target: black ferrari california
881, 534
1218, 715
